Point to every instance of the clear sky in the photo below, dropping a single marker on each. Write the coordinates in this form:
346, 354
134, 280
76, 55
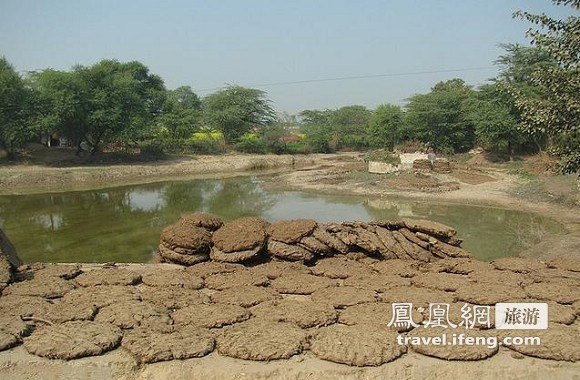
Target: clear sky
209, 43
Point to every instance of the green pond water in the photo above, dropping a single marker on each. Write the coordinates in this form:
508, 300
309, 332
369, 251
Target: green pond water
123, 224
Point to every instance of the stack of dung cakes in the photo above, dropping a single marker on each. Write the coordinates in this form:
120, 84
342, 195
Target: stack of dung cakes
239, 240
188, 241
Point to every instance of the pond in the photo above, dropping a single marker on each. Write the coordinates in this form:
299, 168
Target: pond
123, 224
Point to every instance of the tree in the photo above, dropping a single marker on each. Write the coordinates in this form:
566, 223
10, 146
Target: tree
181, 113
237, 110
557, 113
109, 101
385, 126
439, 119
15, 108
350, 124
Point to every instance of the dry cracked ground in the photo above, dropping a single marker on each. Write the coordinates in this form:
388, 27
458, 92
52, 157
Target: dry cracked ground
337, 310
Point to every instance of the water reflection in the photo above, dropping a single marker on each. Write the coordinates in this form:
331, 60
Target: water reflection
123, 224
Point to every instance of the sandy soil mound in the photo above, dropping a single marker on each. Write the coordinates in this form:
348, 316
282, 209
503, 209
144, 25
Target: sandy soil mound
259, 339
360, 346
302, 312
154, 346
73, 340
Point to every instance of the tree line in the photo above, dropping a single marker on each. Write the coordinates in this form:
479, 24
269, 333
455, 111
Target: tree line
531, 106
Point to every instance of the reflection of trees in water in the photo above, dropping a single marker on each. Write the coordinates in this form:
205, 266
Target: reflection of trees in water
237, 198
118, 224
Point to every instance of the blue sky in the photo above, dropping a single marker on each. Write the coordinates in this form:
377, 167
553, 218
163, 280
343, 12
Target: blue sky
209, 43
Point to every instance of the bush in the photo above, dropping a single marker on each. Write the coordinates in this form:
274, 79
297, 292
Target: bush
251, 143
383, 156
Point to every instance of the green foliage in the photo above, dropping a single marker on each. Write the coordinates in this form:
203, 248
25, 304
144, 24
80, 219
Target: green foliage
383, 156
109, 101
557, 113
181, 113
237, 110
251, 143
15, 108
350, 124
206, 142
385, 126
439, 119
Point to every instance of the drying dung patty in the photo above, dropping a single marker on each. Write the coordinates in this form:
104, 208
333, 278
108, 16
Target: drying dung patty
234, 257
172, 297
172, 256
339, 267
133, 314
519, 264
172, 277
68, 310
73, 340
288, 252
195, 239
64, 271
419, 297
360, 346
108, 276
377, 282
49, 287
22, 306
274, 269
343, 296
569, 263
12, 329
102, 295
304, 313
154, 346
245, 296
440, 281
208, 221
487, 343
557, 291
263, 340
210, 315
299, 283
378, 314
489, 293
291, 231
241, 235
221, 281
557, 342
211, 267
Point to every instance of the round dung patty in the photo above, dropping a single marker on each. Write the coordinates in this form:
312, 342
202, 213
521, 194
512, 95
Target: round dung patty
73, 340
448, 350
259, 339
208, 221
339, 267
377, 282
133, 314
210, 315
343, 296
69, 310
196, 239
154, 346
440, 281
172, 277
172, 297
378, 313
102, 295
221, 281
299, 283
172, 256
22, 306
245, 296
304, 313
241, 235
49, 287
557, 342
519, 264
211, 267
291, 231
360, 346
234, 257
108, 276
12, 329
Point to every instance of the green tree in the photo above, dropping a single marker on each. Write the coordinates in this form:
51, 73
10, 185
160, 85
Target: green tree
237, 110
15, 108
350, 124
181, 113
320, 136
557, 114
109, 101
439, 118
384, 126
